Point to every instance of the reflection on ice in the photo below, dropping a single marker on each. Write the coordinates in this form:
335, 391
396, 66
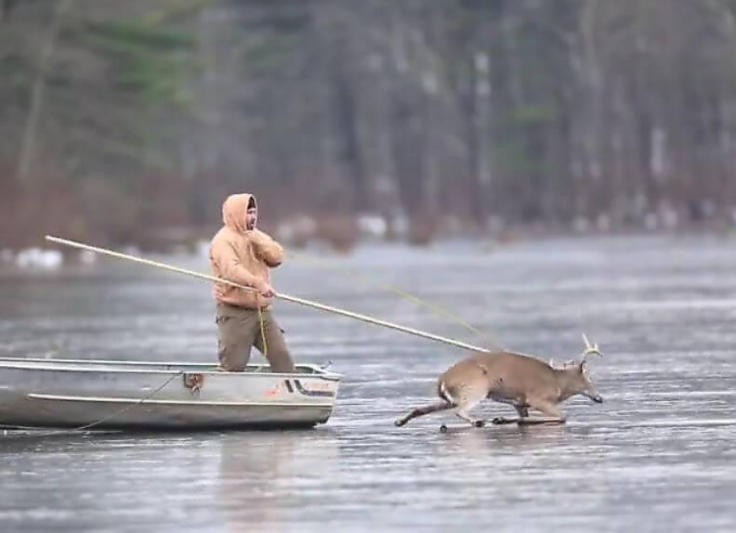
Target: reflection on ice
658, 455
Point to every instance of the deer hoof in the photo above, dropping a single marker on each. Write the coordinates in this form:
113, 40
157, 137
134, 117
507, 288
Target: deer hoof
443, 428
479, 423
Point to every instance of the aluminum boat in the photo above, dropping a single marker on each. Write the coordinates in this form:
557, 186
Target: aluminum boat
83, 393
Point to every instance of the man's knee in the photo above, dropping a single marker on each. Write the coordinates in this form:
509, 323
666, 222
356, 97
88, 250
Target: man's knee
278, 355
281, 363
233, 357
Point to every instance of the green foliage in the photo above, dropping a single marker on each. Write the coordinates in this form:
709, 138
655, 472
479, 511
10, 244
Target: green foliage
14, 73
515, 152
534, 115
144, 36
514, 157
152, 62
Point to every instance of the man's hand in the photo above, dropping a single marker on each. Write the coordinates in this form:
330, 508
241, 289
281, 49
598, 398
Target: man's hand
265, 290
266, 249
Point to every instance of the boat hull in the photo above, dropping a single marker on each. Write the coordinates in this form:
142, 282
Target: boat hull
176, 396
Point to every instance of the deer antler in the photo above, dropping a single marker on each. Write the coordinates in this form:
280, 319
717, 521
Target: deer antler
590, 349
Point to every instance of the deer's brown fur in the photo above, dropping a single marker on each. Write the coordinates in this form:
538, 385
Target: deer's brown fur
519, 380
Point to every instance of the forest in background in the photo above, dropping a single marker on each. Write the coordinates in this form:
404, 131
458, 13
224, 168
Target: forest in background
129, 122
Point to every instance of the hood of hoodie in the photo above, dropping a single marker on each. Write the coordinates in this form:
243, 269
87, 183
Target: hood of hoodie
234, 209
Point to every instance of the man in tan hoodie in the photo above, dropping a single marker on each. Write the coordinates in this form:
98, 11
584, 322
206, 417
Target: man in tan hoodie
243, 254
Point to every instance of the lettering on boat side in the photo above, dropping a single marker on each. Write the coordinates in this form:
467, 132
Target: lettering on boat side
292, 386
311, 392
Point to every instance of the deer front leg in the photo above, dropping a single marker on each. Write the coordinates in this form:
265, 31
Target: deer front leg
421, 411
554, 415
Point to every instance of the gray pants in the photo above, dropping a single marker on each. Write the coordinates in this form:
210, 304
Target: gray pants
239, 329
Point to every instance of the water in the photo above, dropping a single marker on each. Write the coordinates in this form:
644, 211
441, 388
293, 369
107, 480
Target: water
658, 455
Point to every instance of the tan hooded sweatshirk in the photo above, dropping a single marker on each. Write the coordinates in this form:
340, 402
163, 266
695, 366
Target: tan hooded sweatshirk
242, 256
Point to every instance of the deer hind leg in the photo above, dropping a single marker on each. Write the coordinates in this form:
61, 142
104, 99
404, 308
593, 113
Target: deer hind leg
554, 415
464, 413
468, 399
424, 410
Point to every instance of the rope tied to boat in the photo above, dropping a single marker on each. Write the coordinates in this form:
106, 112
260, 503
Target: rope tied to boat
82, 429
433, 307
263, 330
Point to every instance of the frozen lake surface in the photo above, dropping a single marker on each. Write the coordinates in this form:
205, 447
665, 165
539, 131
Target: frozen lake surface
658, 455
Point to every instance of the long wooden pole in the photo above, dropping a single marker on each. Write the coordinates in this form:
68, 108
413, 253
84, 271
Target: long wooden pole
282, 296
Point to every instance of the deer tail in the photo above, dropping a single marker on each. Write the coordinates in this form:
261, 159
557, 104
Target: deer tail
443, 393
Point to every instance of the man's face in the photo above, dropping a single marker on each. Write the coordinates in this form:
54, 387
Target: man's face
251, 217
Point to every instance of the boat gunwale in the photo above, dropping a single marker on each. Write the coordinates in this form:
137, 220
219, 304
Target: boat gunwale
183, 403
87, 365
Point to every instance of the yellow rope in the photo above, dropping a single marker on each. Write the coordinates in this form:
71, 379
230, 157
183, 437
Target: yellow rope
263, 330
118, 412
438, 310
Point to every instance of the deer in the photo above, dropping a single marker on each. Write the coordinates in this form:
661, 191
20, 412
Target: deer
520, 380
